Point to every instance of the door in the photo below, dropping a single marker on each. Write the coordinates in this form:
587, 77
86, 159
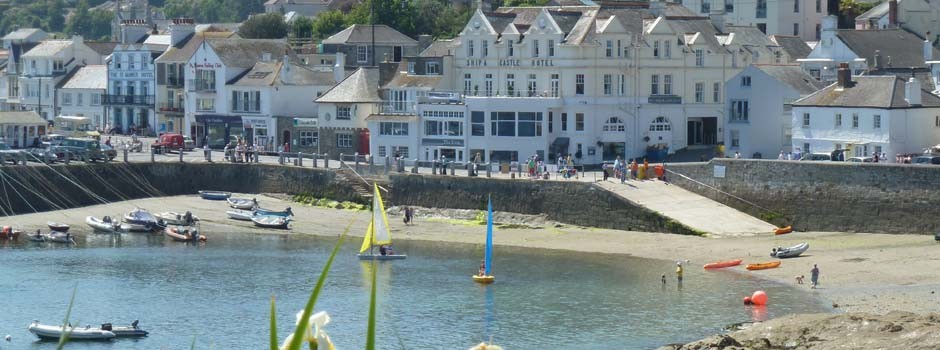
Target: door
710, 130
695, 132
396, 54
285, 138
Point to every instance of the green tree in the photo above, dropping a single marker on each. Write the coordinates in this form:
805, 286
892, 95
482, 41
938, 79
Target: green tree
55, 15
849, 9
328, 23
93, 25
80, 20
523, 3
209, 11
266, 26
302, 28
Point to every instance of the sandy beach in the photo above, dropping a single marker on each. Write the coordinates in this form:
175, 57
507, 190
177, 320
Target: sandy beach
874, 273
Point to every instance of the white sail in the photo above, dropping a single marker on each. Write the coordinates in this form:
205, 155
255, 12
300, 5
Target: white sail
380, 232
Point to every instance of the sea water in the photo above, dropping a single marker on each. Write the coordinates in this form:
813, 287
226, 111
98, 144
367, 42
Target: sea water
218, 294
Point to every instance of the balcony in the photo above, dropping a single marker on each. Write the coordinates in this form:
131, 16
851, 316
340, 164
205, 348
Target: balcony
171, 107
127, 100
201, 85
398, 107
441, 97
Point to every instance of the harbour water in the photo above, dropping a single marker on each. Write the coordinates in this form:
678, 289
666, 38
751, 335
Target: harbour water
218, 294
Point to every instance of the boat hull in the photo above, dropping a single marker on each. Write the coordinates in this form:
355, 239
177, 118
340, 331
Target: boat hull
172, 218
243, 215
722, 264
55, 226
214, 195
37, 238
783, 230
267, 212
77, 333
484, 279
61, 237
763, 266
791, 252
382, 257
100, 226
242, 203
128, 332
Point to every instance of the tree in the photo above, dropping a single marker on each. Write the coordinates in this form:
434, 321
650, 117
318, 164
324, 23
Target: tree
524, 3
849, 9
302, 28
328, 23
266, 26
209, 11
55, 15
94, 25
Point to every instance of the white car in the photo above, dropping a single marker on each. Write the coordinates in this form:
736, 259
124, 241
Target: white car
860, 160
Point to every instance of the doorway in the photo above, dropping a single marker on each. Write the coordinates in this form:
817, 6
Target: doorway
703, 131
286, 138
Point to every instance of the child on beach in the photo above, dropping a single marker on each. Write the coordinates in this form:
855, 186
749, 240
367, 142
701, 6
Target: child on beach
814, 276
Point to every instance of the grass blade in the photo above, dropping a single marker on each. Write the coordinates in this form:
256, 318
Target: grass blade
301, 330
66, 332
273, 340
370, 335
193, 346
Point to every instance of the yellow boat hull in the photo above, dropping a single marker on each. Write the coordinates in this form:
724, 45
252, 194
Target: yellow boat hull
484, 279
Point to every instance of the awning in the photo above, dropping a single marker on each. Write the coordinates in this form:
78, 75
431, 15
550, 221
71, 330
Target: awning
560, 145
21, 118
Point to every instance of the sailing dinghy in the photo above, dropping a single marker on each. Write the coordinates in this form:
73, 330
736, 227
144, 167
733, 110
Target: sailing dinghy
486, 277
378, 234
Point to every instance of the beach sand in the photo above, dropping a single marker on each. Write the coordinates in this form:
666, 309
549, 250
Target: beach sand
859, 272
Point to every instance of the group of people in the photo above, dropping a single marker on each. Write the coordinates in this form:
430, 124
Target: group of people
386, 249
241, 152
409, 215
535, 167
623, 170
566, 166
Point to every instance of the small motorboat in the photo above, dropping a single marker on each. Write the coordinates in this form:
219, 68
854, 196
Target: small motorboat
238, 214
721, 264
125, 331
141, 220
61, 237
184, 234
271, 221
38, 237
55, 226
215, 195
791, 252
8, 233
104, 225
763, 266
75, 333
783, 230
267, 212
174, 218
243, 203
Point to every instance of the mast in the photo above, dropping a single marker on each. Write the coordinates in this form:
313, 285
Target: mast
488, 252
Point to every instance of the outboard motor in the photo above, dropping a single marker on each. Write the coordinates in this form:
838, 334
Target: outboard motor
106, 327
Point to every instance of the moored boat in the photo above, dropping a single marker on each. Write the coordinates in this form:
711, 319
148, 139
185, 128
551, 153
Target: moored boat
174, 218
763, 266
783, 230
58, 227
721, 264
271, 221
37, 237
268, 212
183, 234
141, 220
60, 237
791, 252
74, 333
125, 331
239, 214
104, 225
9, 233
215, 195
378, 233
242, 203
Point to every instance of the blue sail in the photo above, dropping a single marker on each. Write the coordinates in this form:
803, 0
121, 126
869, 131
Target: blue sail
488, 254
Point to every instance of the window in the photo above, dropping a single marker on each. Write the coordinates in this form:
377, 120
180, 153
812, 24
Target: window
564, 121
579, 122
117, 62
554, 85
878, 151
131, 62
477, 124
608, 84
796, 6
246, 101
614, 124
854, 120
761, 12
402, 151
532, 85
343, 140
469, 48
411, 68
667, 48
66, 99
654, 84
488, 85
796, 29
619, 49
95, 99
433, 68
484, 48
716, 92
382, 151
700, 92
467, 84
739, 111
393, 128
815, 74
806, 148
778, 56
936, 121
535, 48
667, 84
511, 84
818, 6
735, 138
805, 120
762, 27
621, 85
442, 128
205, 104
660, 124
551, 48
343, 112
551, 122
443, 114
530, 124
579, 84
706, 7
818, 30
609, 50
838, 120
309, 138
876, 122
512, 49
503, 123
729, 6
746, 81
79, 97
656, 49
58, 66
699, 57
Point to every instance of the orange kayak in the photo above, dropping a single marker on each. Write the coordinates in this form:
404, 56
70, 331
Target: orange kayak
720, 264
763, 266
783, 230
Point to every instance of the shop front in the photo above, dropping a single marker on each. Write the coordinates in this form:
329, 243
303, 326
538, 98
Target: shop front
257, 132
219, 130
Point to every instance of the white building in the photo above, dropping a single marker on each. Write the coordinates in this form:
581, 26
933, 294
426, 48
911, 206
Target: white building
345, 108
917, 16
81, 95
44, 68
17, 43
758, 104
131, 86
785, 17
866, 115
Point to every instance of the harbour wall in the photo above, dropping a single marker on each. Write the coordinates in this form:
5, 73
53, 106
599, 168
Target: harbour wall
821, 196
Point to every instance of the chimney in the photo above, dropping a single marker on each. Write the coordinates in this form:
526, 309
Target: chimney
286, 68
717, 14
928, 48
844, 76
829, 26
912, 92
339, 68
424, 41
877, 60
658, 7
265, 57
180, 29
892, 13
133, 30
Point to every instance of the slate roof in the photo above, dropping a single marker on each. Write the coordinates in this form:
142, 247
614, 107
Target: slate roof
876, 12
795, 47
440, 48
89, 77
361, 86
182, 54
905, 49
793, 76
103, 48
403, 80
21, 118
362, 34
273, 74
22, 34
697, 25
244, 53
883, 92
48, 48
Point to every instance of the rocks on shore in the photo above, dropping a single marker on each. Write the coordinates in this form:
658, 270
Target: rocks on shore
895, 330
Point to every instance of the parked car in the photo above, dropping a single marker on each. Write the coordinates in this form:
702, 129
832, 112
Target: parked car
188, 143
9, 154
169, 142
44, 154
817, 157
109, 152
54, 139
925, 160
88, 150
860, 160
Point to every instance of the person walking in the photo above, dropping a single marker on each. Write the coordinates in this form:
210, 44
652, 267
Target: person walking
679, 271
814, 276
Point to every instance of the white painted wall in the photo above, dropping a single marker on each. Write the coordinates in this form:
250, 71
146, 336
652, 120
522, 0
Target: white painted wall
768, 121
95, 111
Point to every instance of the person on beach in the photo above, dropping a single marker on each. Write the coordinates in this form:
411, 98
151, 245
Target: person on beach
664, 278
814, 276
679, 271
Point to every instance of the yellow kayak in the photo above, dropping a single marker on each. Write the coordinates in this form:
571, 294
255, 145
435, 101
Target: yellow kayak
484, 279
763, 266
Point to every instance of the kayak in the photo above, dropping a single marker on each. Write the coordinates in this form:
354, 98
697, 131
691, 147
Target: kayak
783, 230
720, 264
763, 266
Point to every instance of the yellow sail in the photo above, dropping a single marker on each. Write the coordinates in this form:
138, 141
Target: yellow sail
367, 240
380, 232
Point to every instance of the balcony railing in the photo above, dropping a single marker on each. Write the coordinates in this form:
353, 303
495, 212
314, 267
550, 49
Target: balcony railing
175, 82
516, 94
441, 97
171, 107
201, 85
134, 100
398, 107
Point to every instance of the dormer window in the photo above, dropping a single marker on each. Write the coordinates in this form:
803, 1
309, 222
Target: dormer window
58, 66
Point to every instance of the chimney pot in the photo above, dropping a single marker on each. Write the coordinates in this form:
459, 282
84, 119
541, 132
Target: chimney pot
844, 75
892, 13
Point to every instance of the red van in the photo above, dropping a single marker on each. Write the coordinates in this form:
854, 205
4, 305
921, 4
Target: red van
168, 141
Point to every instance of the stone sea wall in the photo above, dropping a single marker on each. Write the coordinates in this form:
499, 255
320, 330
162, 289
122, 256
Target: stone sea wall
822, 196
